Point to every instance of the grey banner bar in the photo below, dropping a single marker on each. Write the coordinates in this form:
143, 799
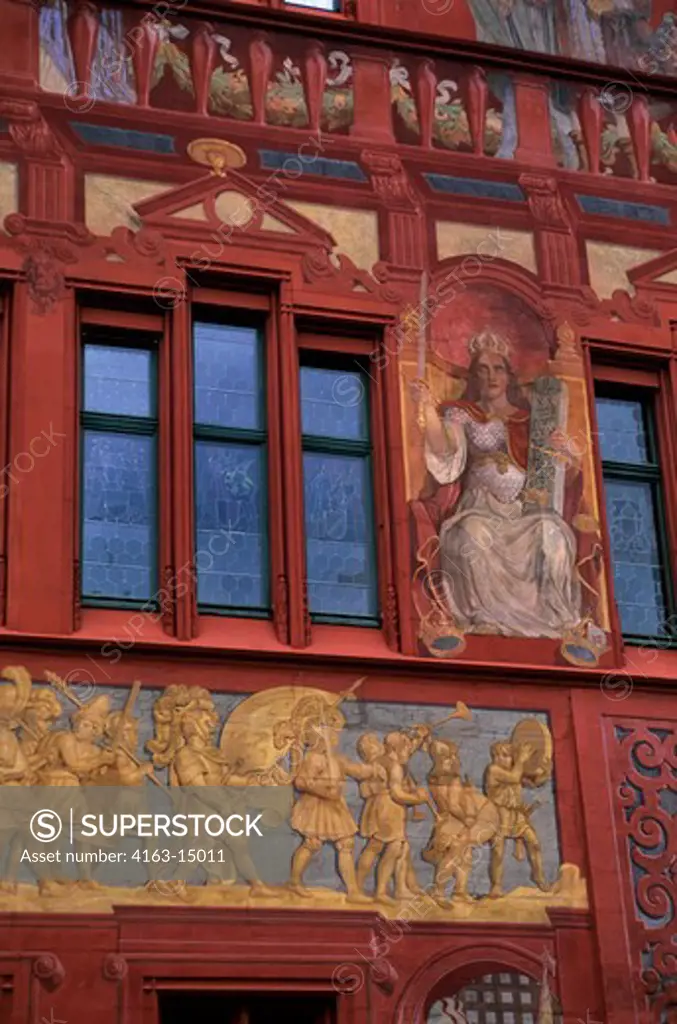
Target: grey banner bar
128, 836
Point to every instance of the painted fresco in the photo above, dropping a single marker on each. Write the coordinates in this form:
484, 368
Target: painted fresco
172, 87
450, 125
640, 34
606, 31
112, 74
171, 83
664, 141
390, 801
618, 154
617, 149
506, 539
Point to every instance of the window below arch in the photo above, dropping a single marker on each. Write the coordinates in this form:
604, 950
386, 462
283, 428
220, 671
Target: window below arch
502, 997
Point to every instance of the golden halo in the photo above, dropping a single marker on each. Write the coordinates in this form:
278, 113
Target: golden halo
217, 154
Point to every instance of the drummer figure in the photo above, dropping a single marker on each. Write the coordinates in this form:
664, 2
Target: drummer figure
503, 780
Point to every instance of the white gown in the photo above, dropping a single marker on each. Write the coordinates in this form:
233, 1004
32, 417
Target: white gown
506, 569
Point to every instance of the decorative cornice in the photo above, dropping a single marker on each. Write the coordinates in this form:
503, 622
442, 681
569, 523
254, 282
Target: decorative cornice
390, 180
319, 265
28, 129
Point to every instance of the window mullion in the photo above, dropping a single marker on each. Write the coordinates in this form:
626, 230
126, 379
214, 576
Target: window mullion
228, 435
292, 477
119, 424
179, 422
168, 595
337, 446
629, 471
277, 508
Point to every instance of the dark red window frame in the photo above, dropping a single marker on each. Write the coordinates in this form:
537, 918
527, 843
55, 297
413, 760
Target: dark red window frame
288, 330
616, 365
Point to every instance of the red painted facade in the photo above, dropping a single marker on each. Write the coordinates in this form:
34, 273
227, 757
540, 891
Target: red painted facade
57, 275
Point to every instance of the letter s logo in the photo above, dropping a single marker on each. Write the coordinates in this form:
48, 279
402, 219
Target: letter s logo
46, 826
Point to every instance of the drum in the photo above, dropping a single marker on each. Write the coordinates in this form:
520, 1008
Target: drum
537, 735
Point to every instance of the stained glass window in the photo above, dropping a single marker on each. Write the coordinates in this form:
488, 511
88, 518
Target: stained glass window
337, 485
230, 469
119, 473
633, 496
622, 430
228, 377
118, 380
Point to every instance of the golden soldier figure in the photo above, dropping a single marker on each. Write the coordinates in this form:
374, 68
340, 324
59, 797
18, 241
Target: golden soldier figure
39, 716
514, 764
123, 734
74, 756
372, 752
186, 720
321, 814
466, 819
390, 816
15, 768
34, 716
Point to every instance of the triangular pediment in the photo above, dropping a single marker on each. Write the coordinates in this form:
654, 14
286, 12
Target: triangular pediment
229, 208
657, 274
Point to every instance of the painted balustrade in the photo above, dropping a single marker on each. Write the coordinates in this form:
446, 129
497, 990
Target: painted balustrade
436, 104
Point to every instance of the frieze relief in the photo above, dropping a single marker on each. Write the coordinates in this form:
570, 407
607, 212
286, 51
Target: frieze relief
388, 802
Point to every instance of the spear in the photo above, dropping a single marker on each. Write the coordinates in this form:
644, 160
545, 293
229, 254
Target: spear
61, 686
331, 762
126, 714
347, 694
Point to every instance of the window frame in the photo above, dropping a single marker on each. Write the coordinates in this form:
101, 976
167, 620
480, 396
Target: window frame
626, 380
290, 326
97, 330
323, 355
256, 437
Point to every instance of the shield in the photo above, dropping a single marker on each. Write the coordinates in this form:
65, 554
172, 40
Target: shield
253, 736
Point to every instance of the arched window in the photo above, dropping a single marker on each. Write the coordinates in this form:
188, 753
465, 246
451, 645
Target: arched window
503, 997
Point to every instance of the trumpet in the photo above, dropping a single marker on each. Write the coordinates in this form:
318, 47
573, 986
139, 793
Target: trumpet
461, 711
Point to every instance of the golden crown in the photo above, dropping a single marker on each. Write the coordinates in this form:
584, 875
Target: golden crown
487, 341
